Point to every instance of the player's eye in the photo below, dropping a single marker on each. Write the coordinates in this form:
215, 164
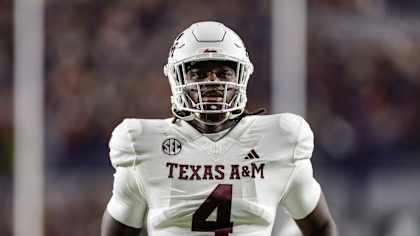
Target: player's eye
193, 74
229, 73
226, 74
196, 74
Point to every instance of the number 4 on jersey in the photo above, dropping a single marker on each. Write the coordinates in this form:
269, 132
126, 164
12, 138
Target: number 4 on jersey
220, 198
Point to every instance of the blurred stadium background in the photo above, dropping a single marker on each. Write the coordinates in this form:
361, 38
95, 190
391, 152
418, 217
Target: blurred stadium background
103, 62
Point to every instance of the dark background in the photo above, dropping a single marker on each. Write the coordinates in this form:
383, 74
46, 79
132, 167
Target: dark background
104, 62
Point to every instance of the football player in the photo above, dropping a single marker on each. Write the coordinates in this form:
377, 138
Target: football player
213, 169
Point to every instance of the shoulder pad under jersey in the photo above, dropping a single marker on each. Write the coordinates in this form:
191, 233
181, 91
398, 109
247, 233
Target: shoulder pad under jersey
134, 139
121, 145
300, 131
282, 135
285, 134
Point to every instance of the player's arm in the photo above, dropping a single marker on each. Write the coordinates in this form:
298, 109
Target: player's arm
304, 199
127, 207
306, 203
319, 221
111, 227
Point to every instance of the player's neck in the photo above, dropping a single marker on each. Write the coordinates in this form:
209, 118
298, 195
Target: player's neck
208, 129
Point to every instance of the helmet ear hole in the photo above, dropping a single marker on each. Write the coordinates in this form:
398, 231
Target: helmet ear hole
182, 114
236, 113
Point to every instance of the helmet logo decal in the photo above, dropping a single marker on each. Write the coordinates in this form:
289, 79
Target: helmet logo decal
208, 50
171, 146
176, 45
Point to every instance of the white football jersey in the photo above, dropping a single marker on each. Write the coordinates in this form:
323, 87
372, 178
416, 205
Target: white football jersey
180, 182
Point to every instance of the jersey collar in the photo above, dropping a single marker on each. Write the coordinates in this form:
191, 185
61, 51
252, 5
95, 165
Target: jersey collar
191, 134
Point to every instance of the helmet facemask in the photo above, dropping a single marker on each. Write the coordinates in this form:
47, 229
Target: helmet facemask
210, 102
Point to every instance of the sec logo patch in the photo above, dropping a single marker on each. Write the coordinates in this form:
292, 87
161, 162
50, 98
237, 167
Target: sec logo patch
171, 146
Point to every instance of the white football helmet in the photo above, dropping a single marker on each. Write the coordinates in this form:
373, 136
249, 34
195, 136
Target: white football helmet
207, 41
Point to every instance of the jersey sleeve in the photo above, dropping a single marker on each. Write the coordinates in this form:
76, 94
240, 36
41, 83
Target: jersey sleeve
127, 205
303, 192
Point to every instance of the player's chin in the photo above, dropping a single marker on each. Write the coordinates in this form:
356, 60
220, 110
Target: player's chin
213, 117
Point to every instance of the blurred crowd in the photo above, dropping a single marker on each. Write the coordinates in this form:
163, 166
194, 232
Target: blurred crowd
364, 87
104, 62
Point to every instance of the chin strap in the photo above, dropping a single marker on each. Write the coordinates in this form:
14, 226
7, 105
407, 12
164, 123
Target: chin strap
183, 115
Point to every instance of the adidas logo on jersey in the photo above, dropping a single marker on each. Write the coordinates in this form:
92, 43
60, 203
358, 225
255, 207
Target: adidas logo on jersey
252, 155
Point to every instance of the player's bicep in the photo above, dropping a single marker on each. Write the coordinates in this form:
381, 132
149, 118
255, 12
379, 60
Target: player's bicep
112, 227
127, 205
304, 191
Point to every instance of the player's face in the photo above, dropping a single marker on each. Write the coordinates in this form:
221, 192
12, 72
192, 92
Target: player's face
211, 71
